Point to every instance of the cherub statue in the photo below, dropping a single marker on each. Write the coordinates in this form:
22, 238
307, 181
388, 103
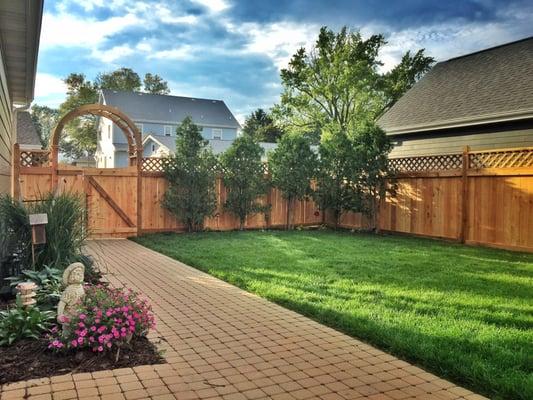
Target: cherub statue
73, 293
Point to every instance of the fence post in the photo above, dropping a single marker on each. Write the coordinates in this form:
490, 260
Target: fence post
54, 160
15, 172
464, 197
138, 166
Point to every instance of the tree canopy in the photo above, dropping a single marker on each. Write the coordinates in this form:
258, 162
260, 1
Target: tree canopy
155, 84
190, 173
260, 125
45, 119
244, 178
338, 82
292, 165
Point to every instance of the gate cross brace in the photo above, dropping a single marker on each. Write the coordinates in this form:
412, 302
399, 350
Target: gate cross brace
110, 201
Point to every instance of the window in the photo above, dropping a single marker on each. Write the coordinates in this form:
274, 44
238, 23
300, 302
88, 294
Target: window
140, 127
109, 131
153, 148
217, 133
168, 130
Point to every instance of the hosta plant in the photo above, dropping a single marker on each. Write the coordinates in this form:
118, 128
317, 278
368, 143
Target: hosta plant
49, 284
23, 323
107, 319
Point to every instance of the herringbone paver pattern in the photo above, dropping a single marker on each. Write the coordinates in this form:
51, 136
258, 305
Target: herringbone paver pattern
222, 342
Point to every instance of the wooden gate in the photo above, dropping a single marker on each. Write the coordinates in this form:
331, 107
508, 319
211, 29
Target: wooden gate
110, 195
111, 201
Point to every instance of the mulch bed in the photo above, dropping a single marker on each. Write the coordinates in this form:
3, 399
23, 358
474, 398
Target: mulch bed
28, 359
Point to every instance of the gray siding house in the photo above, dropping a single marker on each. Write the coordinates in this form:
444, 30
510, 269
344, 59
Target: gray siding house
483, 100
157, 117
20, 29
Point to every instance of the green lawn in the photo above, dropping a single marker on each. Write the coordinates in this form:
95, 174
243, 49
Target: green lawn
463, 313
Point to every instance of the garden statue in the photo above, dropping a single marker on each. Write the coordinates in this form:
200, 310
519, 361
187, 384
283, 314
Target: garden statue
73, 293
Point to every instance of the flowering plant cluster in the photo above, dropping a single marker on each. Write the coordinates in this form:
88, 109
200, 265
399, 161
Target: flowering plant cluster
106, 319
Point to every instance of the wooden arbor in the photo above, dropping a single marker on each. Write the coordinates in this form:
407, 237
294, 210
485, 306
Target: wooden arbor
130, 130
114, 114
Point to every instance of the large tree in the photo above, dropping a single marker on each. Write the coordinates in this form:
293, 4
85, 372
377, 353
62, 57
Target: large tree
154, 84
292, 166
121, 79
80, 138
244, 178
260, 125
190, 173
338, 82
44, 119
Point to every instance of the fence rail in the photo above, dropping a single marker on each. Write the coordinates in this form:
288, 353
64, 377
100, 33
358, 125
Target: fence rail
478, 197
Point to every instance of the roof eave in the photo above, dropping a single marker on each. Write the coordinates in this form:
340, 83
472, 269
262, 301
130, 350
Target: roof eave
462, 122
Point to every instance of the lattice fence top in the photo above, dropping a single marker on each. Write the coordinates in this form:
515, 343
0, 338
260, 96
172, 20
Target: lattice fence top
36, 158
155, 164
442, 162
512, 158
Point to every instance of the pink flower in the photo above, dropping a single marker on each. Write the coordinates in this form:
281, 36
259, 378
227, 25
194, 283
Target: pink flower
82, 316
74, 343
100, 348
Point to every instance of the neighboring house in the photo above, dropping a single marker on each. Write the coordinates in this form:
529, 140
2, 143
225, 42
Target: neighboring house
162, 146
483, 100
20, 28
27, 135
157, 117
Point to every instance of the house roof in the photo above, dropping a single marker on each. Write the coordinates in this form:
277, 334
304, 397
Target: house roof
157, 108
26, 131
20, 29
492, 85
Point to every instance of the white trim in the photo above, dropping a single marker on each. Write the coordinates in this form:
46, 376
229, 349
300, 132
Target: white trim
201, 123
150, 137
165, 130
459, 123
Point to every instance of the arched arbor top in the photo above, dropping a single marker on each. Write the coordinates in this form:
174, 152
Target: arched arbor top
114, 114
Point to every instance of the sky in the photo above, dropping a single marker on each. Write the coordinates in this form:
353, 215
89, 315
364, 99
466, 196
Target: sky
234, 50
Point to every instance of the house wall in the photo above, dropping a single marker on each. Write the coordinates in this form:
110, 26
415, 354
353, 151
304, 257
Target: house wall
496, 136
6, 131
105, 149
159, 130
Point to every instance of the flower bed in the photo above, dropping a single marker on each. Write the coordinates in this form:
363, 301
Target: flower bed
108, 330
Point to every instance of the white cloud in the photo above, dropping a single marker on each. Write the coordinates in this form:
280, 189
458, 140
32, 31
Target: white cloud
70, 31
279, 41
214, 6
113, 54
48, 84
49, 90
183, 52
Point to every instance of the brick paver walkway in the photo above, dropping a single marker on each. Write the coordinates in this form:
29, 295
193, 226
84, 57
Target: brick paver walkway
222, 342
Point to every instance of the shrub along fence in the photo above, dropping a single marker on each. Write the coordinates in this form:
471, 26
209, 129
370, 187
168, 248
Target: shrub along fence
478, 197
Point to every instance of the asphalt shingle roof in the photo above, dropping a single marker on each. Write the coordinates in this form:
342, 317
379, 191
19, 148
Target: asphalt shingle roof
26, 131
494, 83
163, 108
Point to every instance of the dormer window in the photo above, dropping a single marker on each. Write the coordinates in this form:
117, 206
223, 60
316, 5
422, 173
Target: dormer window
168, 130
217, 133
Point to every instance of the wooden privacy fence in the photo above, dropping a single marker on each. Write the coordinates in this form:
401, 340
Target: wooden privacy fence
478, 197
115, 208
